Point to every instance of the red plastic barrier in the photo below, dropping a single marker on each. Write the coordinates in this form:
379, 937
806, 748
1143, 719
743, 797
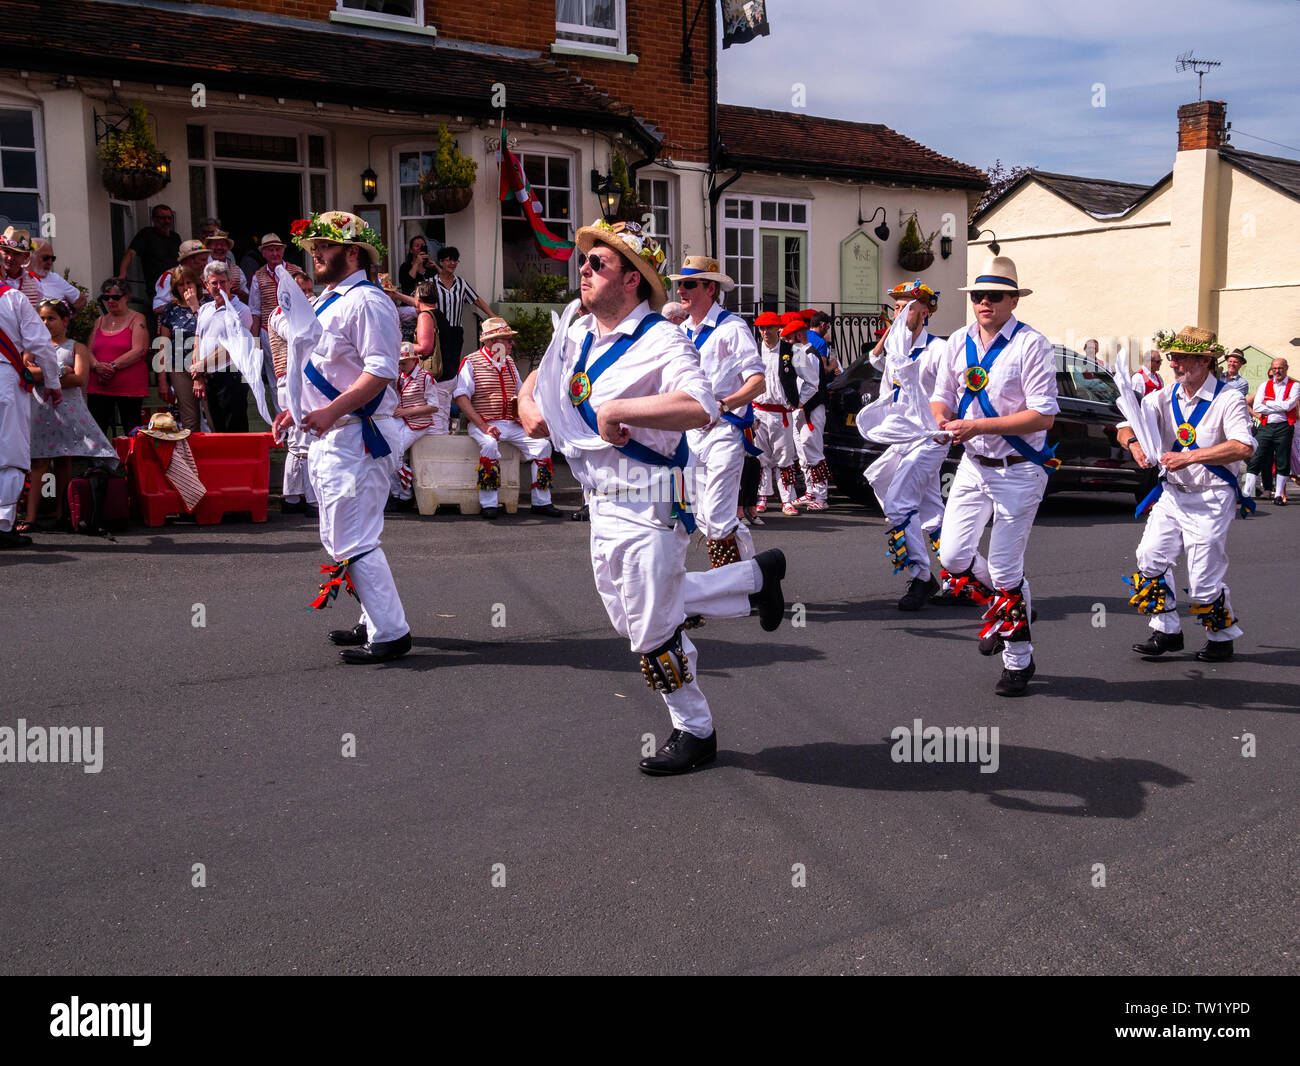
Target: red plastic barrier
235, 468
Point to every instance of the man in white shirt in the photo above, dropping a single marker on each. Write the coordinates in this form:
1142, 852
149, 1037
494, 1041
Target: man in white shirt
905, 478
734, 369
810, 418
774, 414
615, 392
1204, 433
53, 286
224, 387
1275, 407
21, 330
348, 410
1147, 379
995, 392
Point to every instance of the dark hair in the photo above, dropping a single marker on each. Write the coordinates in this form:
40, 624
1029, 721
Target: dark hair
59, 307
819, 318
426, 293
644, 290
448, 251
116, 284
161, 207
410, 245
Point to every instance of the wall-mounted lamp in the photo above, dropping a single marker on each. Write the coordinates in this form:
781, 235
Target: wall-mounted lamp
945, 246
165, 169
994, 247
881, 231
369, 185
608, 193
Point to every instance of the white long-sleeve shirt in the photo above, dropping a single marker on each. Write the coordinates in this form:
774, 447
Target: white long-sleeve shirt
1275, 411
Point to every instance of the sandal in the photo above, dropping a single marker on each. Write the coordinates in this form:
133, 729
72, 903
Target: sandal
23, 528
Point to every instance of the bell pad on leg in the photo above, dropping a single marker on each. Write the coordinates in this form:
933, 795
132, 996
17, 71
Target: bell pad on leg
665, 669
489, 474
1151, 595
896, 545
1006, 616
967, 586
1214, 616
787, 476
724, 551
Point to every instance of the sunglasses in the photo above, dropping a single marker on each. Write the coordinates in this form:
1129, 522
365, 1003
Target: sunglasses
48, 258
114, 295
687, 284
596, 262
992, 297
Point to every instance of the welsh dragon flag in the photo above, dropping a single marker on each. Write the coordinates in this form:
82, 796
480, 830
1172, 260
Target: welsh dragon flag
515, 183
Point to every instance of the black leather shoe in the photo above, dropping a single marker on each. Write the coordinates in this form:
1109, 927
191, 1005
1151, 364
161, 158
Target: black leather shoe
1216, 651
349, 638
395, 505
582, 514
491, 513
769, 599
682, 752
992, 644
377, 653
918, 592
1159, 643
1015, 682
11, 539
546, 510
298, 507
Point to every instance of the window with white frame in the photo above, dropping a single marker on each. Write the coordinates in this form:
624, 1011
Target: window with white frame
413, 218
20, 169
592, 23
551, 177
656, 197
403, 11
765, 248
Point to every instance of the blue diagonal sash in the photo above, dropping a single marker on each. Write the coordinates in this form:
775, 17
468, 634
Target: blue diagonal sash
977, 375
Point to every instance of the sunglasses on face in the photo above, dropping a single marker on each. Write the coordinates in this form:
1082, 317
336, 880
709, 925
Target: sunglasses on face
687, 284
596, 262
48, 258
114, 296
992, 297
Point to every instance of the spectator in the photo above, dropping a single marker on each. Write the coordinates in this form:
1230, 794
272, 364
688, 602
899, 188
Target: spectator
1147, 379
220, 382
453, 294
417, 400
219, 245
417, 266
819, 327
178, 326
16, 247
193, 256
253, 261
119, 367
428, 347
262, 301
59, 433
53, 287
156, 245
674, 312
1232, 373
1275, 406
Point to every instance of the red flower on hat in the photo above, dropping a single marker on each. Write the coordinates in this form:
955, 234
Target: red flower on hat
299, 226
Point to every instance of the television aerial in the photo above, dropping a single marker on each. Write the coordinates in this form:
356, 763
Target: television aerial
1202, 67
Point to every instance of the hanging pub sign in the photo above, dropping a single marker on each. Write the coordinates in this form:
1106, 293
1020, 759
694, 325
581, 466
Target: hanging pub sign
743, 20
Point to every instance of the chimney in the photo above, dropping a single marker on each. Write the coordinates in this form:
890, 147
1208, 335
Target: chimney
1201, 125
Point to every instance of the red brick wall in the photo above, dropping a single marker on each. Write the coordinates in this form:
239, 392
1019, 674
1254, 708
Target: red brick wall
654, 86
1201, 125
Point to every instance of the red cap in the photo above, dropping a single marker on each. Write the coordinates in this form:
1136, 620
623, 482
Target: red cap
791, 316
794, 327
768, 318
807, 313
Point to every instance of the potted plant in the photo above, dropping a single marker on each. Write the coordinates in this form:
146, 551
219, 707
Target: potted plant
449, 186
914, 254
131, 162
540, 292
630, 208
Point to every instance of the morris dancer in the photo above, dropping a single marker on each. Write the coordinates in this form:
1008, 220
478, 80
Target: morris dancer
348, 409
1204, 429
296, 494
810, 419
905, 478
995, 392
615, 391
730, 361
773, 411
485, 391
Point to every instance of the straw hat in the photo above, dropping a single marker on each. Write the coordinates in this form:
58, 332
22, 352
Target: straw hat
915, 290
637, 247
191, 248
998, 275
218, 235
495, 329
702, 268
18, 240
1190, 340
338, 227
163, 426
270, 238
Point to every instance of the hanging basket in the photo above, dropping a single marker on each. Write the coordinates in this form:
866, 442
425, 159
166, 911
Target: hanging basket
132, 183
446, 201
916, 261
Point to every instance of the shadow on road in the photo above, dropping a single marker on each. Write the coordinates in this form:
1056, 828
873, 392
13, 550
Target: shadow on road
1107, 788
1180, 681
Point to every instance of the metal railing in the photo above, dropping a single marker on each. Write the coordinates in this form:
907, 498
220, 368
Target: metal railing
853, 333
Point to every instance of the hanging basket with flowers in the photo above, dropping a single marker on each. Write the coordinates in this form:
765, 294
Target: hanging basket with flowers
132, 166
449, 186
914, 253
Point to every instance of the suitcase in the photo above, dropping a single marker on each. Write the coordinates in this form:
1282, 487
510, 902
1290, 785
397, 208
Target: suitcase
97, 503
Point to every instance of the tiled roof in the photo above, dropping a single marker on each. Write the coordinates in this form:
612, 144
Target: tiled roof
793, 143
1282, 174
1097, 196
323, 62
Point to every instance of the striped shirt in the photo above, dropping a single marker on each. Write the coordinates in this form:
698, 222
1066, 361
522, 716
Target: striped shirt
452, 301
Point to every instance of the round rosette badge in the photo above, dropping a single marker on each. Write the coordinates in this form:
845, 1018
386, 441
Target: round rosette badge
1187, 434
579, 389
976, 378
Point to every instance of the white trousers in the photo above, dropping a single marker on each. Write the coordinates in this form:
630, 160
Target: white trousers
777, 444
717, 460
808, 437
533, 448
15, 444
406, 436
1010, 496
268, 375
296, 444
912, 487
1195, 523
442, 416
638, 558
11, 487
351, 489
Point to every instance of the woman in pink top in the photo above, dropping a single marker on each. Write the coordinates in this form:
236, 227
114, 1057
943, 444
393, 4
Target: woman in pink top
119, 368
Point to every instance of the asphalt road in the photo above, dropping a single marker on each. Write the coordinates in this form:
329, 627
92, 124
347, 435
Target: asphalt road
508, 753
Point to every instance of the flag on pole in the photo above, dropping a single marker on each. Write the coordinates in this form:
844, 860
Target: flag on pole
514, 183
743, 20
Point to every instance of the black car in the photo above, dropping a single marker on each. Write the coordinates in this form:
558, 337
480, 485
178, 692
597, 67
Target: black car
1084, 432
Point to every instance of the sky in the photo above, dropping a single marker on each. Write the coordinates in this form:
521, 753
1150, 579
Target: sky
1019, 81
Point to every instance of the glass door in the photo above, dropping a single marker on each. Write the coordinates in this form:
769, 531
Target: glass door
783, 269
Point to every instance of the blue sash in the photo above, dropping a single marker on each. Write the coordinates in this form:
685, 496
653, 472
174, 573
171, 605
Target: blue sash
707, 331
977, 379
741, 422
375, 443
1185, 437
580, 385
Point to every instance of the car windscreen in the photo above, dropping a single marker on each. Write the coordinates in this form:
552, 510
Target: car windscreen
1088, 378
